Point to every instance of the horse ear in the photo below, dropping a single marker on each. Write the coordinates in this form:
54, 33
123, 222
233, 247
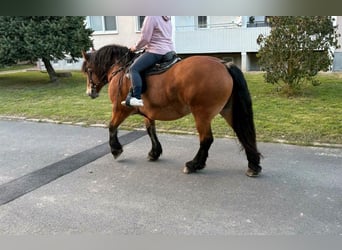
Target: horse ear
85, 55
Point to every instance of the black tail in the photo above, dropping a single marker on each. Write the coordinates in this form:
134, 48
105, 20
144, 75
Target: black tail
243, 122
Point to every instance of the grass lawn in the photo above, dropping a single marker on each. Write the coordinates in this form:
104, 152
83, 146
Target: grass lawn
313, 117
17, 67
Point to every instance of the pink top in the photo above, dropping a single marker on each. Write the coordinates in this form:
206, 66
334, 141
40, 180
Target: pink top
156, 35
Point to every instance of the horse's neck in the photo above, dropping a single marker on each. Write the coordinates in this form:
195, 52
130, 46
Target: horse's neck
120, 85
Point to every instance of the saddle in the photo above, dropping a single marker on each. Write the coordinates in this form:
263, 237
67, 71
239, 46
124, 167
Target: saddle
167, 61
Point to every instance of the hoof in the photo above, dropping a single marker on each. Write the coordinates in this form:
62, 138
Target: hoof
116, 153
252, 173
153, 157
186, 170
192, 167
189, 168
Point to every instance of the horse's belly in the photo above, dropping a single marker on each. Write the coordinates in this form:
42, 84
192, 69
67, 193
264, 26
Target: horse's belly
167, 113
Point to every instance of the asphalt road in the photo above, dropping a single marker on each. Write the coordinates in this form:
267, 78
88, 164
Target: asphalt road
61, 179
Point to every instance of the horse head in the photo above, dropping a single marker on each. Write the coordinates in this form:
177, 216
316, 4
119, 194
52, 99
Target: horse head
98, 65
95, 82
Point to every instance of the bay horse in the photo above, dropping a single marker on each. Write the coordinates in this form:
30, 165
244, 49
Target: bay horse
202, 85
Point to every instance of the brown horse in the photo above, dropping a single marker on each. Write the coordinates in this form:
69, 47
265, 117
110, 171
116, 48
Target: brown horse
202, 85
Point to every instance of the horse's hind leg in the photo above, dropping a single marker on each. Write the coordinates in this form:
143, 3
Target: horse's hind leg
226, 113
156, 150
253, 169
206, 139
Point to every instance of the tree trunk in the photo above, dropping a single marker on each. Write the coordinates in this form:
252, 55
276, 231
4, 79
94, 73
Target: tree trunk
52, 74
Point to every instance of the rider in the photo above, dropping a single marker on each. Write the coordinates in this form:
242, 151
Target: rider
156, 39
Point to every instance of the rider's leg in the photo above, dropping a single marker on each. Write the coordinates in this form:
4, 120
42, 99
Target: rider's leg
141, 64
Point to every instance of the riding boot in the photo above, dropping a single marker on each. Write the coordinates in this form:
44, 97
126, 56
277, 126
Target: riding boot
130, 93
128, 97
131, 100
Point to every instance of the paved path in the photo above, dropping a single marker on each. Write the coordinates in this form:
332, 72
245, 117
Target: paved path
67, 182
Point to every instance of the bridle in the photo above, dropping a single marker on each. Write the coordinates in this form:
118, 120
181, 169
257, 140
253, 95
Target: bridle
95, 85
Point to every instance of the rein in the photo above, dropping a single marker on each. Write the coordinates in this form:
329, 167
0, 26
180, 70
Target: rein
114, 73
121, 79
90, 71
124, 67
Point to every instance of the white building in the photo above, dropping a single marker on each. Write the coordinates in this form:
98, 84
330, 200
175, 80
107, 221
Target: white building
232, 38
337, 66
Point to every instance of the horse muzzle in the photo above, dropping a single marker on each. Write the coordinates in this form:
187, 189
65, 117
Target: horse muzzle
92, 93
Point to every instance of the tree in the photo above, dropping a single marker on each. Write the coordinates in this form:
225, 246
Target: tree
297, 48
45, 37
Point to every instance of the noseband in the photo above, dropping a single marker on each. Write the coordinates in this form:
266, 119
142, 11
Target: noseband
93, 84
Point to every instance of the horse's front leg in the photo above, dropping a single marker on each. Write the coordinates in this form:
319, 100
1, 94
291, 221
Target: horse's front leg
115, 145
118, 116
156, 150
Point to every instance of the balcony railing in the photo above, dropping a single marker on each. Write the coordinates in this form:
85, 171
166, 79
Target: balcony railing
258, 24
218, 40
208, 26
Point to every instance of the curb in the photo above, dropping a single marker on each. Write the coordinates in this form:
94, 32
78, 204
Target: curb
22, 118
99, 125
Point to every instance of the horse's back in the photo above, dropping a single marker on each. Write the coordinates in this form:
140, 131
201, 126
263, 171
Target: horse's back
197, 81
200, 77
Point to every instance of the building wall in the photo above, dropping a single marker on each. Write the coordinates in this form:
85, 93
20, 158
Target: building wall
339, 30
189, 23
337, 66
227, 40
126, 35
228, 57
226, 37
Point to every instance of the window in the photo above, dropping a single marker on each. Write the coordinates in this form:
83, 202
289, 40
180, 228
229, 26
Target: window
140, 21
102, 23
228, 59
69, 61
202, 22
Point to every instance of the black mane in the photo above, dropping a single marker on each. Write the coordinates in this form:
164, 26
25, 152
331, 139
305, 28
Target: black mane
103, 59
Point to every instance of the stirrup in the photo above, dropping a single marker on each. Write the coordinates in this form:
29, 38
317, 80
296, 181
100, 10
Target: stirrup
133, 102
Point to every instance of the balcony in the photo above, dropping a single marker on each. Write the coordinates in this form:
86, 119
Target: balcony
218, 39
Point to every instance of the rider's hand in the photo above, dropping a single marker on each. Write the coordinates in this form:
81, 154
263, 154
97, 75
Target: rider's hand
133, 49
